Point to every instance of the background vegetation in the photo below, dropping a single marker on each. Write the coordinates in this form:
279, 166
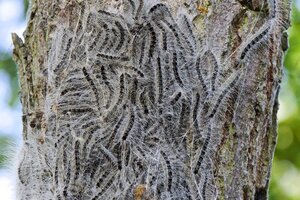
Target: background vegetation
285, 178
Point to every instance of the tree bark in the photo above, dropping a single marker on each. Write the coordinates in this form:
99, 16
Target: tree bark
152, 99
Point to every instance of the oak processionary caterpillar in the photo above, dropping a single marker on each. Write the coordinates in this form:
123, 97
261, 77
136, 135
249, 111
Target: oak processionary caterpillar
142, 98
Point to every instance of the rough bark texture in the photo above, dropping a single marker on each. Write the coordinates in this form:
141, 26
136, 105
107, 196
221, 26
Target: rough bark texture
149, 99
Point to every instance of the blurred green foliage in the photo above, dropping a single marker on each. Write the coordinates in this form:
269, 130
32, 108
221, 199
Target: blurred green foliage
26, 5
4, 147
9, 67
285, 177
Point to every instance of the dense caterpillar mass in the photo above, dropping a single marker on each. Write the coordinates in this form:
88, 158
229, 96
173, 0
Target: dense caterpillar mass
140, 104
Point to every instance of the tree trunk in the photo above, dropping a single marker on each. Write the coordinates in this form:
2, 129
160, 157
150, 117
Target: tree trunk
136, 99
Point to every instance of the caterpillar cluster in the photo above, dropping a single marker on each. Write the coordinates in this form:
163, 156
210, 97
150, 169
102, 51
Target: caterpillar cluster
138, 105
277, 21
